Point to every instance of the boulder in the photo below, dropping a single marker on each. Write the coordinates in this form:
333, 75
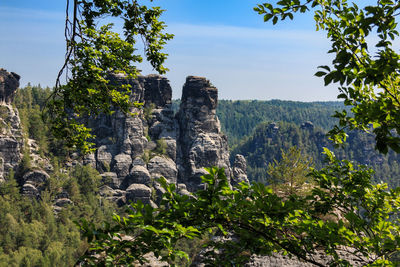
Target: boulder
138, 175
106, 191
62, 202
111, 179
121, 164
104, 158
239, 170
137, 192
9, 82
36, 177
162, 166
90, 159
30, 190
160, 191
138, 162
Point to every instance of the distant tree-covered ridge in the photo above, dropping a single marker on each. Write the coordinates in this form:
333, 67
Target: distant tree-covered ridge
249, 125
239, 118
269, 139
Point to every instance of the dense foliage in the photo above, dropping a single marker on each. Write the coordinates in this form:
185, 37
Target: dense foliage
344, 216
33, 234
365, 64
240, 118
30, 102
268, 140
94, 53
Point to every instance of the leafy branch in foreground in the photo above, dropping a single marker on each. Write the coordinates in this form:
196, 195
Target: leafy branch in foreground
365, 64
344, 215
94, 53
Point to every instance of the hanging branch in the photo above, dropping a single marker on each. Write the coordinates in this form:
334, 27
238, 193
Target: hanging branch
94, 52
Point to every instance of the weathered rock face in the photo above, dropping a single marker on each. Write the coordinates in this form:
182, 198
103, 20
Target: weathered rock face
134, 151
11, 140
157, 90
137, 150
9, 82
10, 126
123, 142
279, 260
201, 143
239, 170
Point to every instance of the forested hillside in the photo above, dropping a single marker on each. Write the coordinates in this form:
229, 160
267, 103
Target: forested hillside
41, 231
239, 118
269, 139
260, 130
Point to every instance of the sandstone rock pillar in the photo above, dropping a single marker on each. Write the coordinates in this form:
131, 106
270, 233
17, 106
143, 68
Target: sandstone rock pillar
200, 140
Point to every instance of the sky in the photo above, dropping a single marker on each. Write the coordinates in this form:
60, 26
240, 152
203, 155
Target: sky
224, 41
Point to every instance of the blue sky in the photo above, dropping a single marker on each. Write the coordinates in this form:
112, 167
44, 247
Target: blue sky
225, 41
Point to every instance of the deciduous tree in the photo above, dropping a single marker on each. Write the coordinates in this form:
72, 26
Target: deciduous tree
94, 52
344, 216
365, 64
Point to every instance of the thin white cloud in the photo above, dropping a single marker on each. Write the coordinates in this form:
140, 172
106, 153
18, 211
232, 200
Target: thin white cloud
18, 14
244, 33
249, 63
32, 43
243, 62
29, 26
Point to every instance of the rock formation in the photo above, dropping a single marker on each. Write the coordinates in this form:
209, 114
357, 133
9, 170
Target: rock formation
201, 143
9, 82
11, 140
134, 151
239, 170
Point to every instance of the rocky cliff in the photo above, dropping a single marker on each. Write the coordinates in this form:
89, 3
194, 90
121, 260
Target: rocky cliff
134, 151
201, 143
33, 176
11, 140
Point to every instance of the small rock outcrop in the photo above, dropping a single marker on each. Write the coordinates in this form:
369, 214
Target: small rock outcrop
239, 170
36, 178
307, 125
9, 82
